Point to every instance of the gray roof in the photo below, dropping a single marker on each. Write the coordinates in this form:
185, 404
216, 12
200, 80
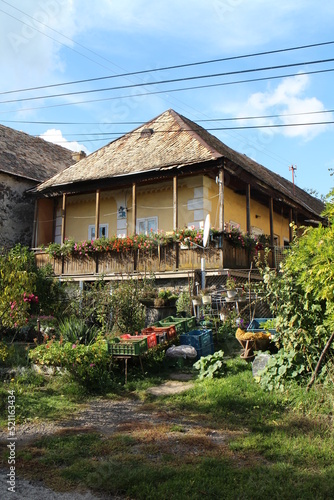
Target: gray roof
167, 141
31, 157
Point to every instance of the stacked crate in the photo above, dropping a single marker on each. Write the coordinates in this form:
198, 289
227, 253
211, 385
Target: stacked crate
202, 340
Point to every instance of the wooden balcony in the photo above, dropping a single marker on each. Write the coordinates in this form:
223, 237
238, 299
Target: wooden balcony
170, 258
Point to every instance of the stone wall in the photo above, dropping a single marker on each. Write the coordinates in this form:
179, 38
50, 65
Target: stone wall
16, 211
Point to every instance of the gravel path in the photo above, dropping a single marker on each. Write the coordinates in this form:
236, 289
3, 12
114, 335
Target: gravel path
101, 415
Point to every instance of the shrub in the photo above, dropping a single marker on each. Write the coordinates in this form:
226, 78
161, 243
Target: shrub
76, 330
88, 364
211, 366
128, 314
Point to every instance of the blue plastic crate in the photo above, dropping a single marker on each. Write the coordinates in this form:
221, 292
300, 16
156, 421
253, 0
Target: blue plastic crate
256, 325
197, 338
205, 351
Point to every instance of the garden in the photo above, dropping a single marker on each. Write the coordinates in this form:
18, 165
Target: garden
233, 433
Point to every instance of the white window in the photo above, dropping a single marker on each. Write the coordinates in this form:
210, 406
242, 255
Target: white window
256, 231
147, 225
103, 231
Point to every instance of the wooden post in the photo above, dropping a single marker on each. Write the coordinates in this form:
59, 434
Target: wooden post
221, 198
175, 203
271, 222
248, 209
134, 208
175, 217
63, 219
97, 214
290, 226
34, 241
221, 220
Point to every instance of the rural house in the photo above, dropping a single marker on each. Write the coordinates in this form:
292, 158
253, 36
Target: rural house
25, 161
167, 175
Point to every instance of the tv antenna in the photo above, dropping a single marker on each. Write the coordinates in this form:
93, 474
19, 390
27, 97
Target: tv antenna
293, 169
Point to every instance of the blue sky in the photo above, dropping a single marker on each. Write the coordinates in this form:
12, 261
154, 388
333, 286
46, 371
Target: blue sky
52, 42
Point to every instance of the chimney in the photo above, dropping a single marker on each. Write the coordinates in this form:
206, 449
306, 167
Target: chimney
146, 132
78, 155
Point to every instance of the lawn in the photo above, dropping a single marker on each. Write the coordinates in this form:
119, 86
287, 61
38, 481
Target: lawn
224, 438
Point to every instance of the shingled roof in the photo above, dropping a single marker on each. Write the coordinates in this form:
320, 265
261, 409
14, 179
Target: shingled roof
167, 141
31, 157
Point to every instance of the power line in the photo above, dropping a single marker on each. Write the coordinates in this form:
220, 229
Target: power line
282, 115
172, 80
172, 90
277, 125
165, 68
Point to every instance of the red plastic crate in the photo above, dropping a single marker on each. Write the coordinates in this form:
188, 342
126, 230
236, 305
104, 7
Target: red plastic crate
169, 330
151, 339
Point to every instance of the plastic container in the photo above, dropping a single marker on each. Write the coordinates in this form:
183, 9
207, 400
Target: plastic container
168, 331
182, 325
197, 338
256, 326
151, 339
127, 347
205, 351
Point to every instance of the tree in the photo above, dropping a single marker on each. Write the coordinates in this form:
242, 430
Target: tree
301, 293
17, 287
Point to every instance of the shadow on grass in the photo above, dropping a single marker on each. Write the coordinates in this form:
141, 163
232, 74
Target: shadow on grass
131, 467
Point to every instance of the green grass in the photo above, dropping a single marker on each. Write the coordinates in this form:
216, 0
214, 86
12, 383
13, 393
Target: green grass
41, 398
277, 446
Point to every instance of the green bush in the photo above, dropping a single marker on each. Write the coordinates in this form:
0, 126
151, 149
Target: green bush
301, 297
76, 330
88, 364
128, 314
211, 366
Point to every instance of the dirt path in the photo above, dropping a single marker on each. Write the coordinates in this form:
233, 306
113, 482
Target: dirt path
101, 415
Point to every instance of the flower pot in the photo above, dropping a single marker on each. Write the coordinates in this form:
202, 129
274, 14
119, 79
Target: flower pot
206, 299
231, 293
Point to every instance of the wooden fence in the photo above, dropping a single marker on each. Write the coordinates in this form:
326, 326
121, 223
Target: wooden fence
172, 257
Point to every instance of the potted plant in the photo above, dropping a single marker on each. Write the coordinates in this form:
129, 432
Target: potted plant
231, 287
165, 298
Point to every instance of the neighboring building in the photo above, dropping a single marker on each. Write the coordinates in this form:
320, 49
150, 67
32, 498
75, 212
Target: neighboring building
25, 161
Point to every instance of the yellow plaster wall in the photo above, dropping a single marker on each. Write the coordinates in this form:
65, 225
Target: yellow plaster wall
157, 200
80, 213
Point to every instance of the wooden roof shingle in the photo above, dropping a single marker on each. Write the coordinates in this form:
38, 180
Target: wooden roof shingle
167, 141
31, 157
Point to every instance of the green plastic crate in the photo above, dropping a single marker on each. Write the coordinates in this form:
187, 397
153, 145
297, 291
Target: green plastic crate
120, 347
182, 325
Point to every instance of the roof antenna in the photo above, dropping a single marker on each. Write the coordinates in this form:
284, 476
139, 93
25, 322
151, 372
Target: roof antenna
293, 169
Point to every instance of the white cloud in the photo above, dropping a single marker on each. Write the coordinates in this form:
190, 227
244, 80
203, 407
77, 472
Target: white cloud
28, 48
56, 137
287, 98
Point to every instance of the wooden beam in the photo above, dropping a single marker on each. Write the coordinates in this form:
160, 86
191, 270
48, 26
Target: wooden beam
134, 208
271, 221
248, 209
34, 241
175, 203
221, 198
290, 226
97, 214
63, 219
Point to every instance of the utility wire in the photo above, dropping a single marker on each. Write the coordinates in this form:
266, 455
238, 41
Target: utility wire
173, 80
164, 68
171, 90
278, 125
282, 115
